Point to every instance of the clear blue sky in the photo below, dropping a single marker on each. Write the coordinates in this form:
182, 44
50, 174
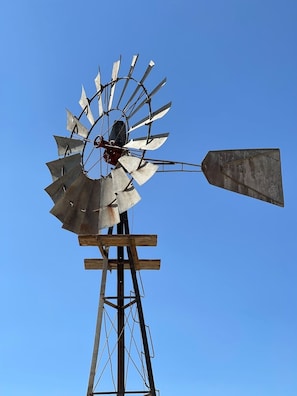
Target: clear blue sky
223, 309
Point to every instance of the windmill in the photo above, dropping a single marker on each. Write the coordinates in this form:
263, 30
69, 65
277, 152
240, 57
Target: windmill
94, 185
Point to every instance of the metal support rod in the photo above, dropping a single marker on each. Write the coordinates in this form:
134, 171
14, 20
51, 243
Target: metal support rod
120, 316
104, 253
140, 311
98, 327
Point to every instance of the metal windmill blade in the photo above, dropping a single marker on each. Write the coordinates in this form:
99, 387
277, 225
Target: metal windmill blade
114, 77
152, 117
74, 126
93, 179
139, 169
58, 188
138, 87
85, 105
59, 167
125, 192
143, 143
99, 89
131, 70
87, 206
150, 95
67, 146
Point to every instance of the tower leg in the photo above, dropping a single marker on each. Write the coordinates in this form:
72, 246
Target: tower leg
98, 328
121, 316
104, 253
132, 256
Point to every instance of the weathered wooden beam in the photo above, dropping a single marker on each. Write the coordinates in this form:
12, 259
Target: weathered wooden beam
142, 264
117, 240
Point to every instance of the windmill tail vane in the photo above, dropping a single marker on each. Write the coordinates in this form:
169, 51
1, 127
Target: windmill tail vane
252, 172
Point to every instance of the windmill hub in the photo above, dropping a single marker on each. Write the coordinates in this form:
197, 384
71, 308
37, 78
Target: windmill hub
114, 146
112, 153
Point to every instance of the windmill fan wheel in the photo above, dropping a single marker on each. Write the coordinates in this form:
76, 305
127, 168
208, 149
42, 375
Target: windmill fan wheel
93, 178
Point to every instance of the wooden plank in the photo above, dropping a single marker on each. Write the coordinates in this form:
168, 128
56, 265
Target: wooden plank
134, 254
144, 264
117, 240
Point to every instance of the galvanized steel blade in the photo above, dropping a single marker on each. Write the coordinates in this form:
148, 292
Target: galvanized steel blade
114, 77
87, 206
58, 188
152, 117
75, 126
133, 63
144, 173
67, 203
109, 216
62, 166
145, 143
68, 146
120, 180
127, 199
99, 93
252, 172
85, 105
107, 196
139, 169
146, 73
76, 209
146, 100
130, 163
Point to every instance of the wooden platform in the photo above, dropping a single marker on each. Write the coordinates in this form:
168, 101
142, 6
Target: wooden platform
104, 242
